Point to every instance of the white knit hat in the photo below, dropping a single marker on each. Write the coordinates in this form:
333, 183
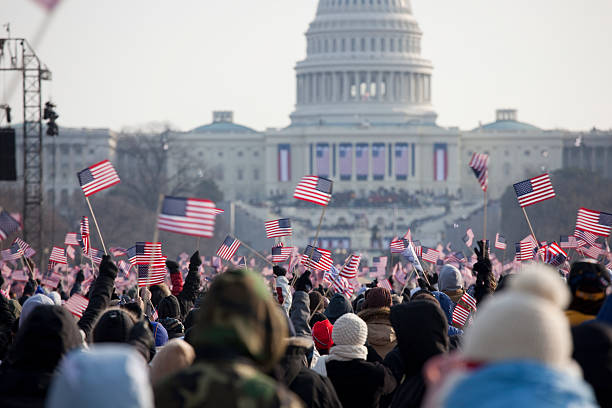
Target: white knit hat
525, 322
350, 330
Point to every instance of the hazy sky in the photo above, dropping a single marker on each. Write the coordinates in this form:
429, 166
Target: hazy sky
119, 63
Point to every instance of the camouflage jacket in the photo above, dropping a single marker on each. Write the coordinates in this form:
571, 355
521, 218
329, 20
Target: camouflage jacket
232, 384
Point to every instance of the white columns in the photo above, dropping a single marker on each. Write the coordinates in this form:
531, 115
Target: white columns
346, 87
379, 94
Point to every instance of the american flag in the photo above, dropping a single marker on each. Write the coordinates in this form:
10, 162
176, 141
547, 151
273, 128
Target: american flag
97, 178
84, 236
430, 255
460, 315
118, 251
469, 301
228, 248
77, 305
480, 166
8, 225
124, 268
384, 283
586, 236
591, 251
555, 255
317, 258
455, 257
25, 247
144, 252
398, 245
278, 228
95, 255
596, 222
568, 241
380, 262
13, 253
534, 190
152, 274
418, 248
19, 275
51, 280
70, 252
351, 265
281, 253
376, 272
525, 251
188, 216
500, 242
71, 239
58, 255
317, 190
468, 238
410, 256
408, 235
337, 282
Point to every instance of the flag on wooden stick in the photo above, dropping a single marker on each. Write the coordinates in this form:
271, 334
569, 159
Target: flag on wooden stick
98, 177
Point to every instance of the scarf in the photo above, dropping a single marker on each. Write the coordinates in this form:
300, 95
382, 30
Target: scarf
347, 353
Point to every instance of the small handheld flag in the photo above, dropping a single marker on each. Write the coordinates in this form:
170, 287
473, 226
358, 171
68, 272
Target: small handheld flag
8, 225
351, 266
317, 190
278, 228
98, 177
228, 248
534, 190
188, 216
500, 242
317, 258
596, 222
480, 166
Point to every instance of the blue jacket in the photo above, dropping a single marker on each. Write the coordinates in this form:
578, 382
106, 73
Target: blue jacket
605, 313
520, 384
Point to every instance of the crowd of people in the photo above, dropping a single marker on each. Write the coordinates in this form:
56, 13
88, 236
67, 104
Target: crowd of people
533, 338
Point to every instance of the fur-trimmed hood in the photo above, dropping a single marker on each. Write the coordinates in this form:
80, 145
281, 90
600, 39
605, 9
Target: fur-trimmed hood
381, 335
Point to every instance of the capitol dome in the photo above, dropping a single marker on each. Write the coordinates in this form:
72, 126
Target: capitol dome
363, 65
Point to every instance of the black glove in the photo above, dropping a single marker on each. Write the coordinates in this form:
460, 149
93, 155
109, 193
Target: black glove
485, 280
107, 267
303, 283
172, 266
372, 284
195, 261
80, 277
425, 286
30, 287
280, 271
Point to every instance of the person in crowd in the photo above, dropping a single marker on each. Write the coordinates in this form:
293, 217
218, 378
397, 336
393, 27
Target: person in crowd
358, 383
169, 312
186, 294
282, 287
120, 326
322, 336
104, 376
176, 355
518, 351
239, 334
375, 312
450, 282
338, 306
593, 351
588, 281
44, 337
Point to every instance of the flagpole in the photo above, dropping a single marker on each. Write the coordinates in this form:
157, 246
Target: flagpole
24, 261
255, 252
485, 217
316, 237
530, 227
96, 223
160, 200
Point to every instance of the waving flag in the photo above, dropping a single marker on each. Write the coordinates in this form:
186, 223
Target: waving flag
281, 253
152, 274
500, 242
144, 253
228, 248
317, 190
596, 222
586, 236
460, 315
98, 177
278, 228
480, 166
83, 237
77, 305
71, 239
568, 241
534, 190
317, 258
349, 271
468, 238
398, 245
8, 225
469, 301
95, 255
118, 251
410, 256
12, 254
58, 255
337, 283
188, 216
384, 283
554, 255
124, 268
525, 251
430, 255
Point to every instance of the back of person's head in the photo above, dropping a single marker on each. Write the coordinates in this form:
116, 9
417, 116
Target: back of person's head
322, 336
349, 330
169, 307
44, 337
422, 332
524, 322
239, 315
113, 326
174, 356
450, 278
102, 377
338, 306
33, 302
190, 319
160, 334
588, 281
376, 298
317, 317
317, 302
158, 292
173, 327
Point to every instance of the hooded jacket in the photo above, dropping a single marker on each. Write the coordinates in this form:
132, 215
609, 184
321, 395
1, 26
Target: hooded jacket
422, 332
42, 340
338, 305
381, 335
239, 335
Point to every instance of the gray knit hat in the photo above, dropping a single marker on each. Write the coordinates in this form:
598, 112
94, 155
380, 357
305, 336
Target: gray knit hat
450, 278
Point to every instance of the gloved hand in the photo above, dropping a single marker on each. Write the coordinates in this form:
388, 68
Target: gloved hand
172, 266
107, 267
80, 277
280, 271
485, 280
372, 284
194, 262
425, 286
303, 283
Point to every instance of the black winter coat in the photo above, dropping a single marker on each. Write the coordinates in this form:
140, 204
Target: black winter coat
360, 383
100, 295
187, 297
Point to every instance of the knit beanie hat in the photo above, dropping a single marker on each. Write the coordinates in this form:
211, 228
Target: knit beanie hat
525, 322
160, 334
587, 279
322, 335
169, 307
113, 326
31, 303
450, 278
317, 304
377, 297
350, 330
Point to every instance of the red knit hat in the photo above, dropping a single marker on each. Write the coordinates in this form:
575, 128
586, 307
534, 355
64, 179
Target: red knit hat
322, 335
